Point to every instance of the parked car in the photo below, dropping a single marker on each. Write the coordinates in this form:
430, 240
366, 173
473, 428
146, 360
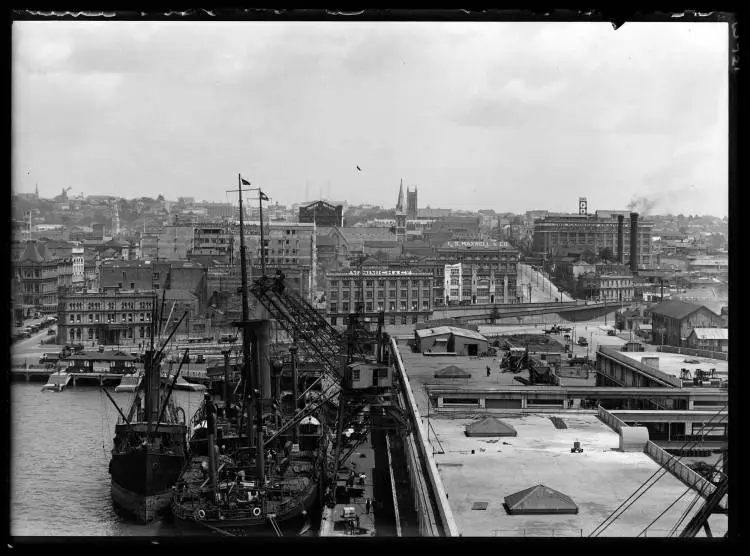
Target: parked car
582, 341
611, 333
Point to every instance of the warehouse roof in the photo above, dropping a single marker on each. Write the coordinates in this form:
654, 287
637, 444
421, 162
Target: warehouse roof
675, 309
711, 333
540, 499
440, 330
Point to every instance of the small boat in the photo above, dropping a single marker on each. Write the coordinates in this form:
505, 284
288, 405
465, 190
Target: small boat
57, 382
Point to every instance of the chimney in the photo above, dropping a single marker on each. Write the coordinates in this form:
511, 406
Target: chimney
634, 242
620, 239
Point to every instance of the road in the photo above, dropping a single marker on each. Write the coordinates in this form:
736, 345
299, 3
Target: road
541, 287
31, 349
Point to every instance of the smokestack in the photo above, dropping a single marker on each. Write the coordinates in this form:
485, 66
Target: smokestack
620, 239
634, 242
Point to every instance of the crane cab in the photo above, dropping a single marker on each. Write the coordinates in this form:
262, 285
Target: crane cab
365, 376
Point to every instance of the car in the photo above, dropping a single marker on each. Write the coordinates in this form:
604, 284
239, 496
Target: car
582, 341
611, 333
50, 332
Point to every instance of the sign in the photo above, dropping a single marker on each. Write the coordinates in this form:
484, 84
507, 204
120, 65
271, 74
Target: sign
470, 244
380, 272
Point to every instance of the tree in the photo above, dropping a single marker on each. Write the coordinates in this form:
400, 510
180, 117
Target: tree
160, 198
588, 256
606, 254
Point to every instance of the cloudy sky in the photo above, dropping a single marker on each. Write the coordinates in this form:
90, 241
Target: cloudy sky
508, 116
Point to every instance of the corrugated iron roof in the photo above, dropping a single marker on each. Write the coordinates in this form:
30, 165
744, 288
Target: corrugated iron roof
675, 309
540, 499
711, 333
440, 330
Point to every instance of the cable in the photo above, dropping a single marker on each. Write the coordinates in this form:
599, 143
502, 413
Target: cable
597, 531
698, 495
663, 472
643, 531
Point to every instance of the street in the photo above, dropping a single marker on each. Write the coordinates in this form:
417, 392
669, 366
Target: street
541, 287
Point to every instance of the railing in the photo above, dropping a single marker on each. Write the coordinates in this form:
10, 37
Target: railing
679, 469
694, 352
537, 532
611, 420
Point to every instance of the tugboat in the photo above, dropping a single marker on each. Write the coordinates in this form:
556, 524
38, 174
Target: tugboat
150, 445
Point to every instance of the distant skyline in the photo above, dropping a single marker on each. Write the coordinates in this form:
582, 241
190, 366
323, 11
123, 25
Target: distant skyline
507, 116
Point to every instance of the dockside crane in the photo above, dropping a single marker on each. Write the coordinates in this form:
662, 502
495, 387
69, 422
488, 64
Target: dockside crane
342, 357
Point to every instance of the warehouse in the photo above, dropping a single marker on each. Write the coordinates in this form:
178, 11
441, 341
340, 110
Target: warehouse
449, 339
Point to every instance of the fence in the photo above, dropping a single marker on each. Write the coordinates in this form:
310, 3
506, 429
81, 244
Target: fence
694, 352
679, 469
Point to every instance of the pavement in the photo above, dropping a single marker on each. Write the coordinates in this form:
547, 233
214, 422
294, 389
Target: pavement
598, 480
542, 289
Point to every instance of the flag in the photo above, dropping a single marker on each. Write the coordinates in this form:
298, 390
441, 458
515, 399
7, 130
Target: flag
263, 196
245, 182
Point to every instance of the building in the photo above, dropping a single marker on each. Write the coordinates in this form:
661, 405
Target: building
214, 241
488, 272
709, 339
450, 339
38, 275
411, 204
79, 277
673, 321
216, 210
592, 232
289, 243
106, 317
404, 295
615, 287
322, 214
172, 243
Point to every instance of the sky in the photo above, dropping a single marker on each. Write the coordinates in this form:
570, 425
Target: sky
511, 116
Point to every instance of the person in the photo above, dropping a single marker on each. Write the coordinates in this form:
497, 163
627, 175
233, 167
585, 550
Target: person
488, 370
367, 506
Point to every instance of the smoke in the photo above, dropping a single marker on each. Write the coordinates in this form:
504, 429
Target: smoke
642, 205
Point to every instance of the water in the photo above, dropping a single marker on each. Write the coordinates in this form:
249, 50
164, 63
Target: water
60, 452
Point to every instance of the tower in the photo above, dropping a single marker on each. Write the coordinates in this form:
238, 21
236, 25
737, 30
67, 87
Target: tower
115, 219
400, 214
582, 205
411, 204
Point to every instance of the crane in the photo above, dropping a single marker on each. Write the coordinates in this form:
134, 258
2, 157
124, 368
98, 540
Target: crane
336, 353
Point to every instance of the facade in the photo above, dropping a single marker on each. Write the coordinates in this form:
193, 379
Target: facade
615, 287
105, 317
322, 214
452, 283
173, 243
79, 277
488, 275
591, 232
213, 240
404, 295
216, 210
673, 321
38, 277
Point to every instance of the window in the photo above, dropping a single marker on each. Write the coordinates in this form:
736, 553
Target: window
404, 293
333, 321
369, 283
392, 283
355, 375
369, 294
381, 294
132, 285
392, 306
415, 293
334, 295
426, 304
403, 319
380, 306
403, 305
392, 294
333, 307
392, 320
414, 319
346, 294
404, 283
381, 283
91, 333
345, 307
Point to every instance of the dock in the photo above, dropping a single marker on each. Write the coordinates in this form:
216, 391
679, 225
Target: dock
333, 523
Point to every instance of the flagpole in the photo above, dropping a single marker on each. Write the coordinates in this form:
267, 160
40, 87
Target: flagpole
262, 241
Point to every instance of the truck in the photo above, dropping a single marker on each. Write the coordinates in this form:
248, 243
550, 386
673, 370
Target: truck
582, 341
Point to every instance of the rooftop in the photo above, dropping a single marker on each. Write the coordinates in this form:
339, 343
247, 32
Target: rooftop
541, 454
439, 330
671, 363
674, 309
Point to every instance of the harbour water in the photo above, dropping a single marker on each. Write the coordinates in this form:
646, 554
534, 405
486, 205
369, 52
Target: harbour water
60, 451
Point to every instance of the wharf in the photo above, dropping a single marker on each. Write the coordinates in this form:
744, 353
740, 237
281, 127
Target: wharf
332, 523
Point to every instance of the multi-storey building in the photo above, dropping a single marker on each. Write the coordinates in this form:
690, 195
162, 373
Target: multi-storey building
213, 240
405, 295
106, 317
595, 232
488, 272
38, 275
290, 243
322, 214
78, 278
174, 242
216, 210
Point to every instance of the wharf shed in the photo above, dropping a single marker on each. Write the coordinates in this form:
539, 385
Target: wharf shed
673, 321
450, 339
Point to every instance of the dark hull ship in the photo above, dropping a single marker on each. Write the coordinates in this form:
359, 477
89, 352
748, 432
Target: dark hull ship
245, 475
150, 447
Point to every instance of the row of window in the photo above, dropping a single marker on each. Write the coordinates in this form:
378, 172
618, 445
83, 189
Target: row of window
381, 283
109, 305
369, 294
392, 319
93, 333
111, 317
380, 306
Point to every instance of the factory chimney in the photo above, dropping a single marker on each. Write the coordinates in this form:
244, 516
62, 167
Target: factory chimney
620, 239
634, 242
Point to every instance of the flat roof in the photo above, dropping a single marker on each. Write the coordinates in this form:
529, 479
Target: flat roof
598, 480
672, 363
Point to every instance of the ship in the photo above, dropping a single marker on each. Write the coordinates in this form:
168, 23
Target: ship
242, 476
149, 446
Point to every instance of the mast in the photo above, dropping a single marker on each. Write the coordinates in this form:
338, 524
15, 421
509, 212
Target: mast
262, 239
249, 385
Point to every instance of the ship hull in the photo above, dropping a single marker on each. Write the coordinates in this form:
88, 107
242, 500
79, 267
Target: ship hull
144, 507
290, 522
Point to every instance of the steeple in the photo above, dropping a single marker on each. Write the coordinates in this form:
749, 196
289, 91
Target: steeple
400, 203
